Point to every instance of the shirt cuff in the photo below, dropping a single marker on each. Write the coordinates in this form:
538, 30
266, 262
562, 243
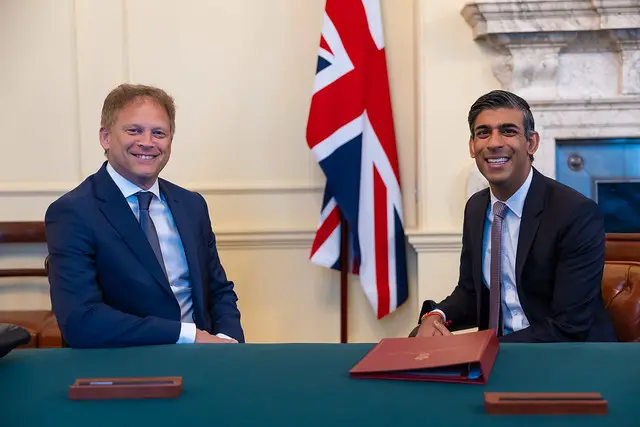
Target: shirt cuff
187, 333
444, 316
441, 312
226, 337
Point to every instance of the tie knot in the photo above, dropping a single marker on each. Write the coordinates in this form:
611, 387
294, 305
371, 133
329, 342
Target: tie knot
144, 199
500, 209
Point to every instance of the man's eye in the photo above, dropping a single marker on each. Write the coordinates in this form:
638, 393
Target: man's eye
159, 134
133, 131
509, 132
482, 134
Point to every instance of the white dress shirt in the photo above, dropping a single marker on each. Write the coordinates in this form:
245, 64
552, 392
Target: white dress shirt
513, 317
175, 260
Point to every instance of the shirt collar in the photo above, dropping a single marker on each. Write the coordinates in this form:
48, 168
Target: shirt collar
515, 203
127, 187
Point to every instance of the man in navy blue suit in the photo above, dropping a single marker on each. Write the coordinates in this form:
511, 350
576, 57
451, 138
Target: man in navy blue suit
133, 258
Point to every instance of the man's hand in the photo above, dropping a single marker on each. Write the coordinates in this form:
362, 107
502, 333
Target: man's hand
204, 337
432, 326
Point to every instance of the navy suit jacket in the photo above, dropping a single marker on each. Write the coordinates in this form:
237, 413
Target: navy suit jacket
107, 287
559, 267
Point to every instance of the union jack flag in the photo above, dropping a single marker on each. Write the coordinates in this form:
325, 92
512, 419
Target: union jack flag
350, 133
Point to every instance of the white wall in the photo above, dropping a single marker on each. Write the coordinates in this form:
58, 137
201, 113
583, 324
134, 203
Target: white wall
242, 75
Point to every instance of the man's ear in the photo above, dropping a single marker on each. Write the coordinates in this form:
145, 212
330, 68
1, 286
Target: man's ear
533, 142
472, 151
105, 138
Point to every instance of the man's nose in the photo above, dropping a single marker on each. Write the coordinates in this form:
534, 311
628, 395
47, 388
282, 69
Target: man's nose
146, 139
495, 139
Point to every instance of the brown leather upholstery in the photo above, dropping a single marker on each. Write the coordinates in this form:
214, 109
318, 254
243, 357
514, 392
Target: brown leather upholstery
49, 336
33, 321
41, 324
621, 284
623, 247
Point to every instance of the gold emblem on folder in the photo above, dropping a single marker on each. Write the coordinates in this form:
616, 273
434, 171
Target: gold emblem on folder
422, 356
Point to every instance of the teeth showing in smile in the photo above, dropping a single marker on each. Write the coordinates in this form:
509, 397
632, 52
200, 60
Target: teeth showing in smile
144, 156
498, 161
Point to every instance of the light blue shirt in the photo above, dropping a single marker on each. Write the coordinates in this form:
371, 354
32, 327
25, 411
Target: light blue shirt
513, 316
175, 260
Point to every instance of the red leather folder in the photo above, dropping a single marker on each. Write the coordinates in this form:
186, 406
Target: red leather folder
462, 358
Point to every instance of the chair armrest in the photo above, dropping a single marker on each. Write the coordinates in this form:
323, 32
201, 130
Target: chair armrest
50, 336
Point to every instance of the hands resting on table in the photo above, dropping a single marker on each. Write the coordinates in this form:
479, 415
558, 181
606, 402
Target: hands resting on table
432, 326
204, 337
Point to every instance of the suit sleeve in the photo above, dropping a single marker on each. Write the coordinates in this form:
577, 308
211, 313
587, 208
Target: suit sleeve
222, 298
460, 308
76, 298
578, 281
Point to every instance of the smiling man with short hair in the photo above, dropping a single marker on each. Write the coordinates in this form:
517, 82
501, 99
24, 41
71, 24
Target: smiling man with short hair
132, 257
532, 249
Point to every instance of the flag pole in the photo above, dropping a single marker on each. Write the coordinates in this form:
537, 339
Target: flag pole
344, 279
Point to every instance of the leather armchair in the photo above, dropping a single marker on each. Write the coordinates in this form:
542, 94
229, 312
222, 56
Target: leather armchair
41, 324
621, 284
31, 320
12, 336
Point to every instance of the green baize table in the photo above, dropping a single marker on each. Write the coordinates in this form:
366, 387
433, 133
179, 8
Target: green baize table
308, 385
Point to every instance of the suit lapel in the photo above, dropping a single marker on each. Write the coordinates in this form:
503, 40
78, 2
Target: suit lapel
479, 215
117, 211
185, 223
533, 205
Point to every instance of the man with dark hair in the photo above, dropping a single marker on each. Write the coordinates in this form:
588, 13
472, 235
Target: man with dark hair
132, 258
532, 249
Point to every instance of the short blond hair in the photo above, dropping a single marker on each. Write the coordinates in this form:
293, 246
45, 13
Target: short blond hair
122, 95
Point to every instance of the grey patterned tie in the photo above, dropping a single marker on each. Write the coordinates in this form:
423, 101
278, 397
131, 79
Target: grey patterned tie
499, 211
144, 201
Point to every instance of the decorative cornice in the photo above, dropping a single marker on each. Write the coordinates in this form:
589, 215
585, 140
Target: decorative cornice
273, 188
554, 16
59, 188
265, 239
595, 104
430, 242
421, 241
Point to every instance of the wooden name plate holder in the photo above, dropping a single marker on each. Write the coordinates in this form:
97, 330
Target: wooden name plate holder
545, 404
126, 388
